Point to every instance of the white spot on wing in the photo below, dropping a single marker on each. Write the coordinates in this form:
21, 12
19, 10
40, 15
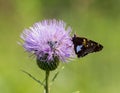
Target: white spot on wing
78, 48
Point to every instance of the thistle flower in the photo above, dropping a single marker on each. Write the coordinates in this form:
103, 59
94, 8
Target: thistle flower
50, 42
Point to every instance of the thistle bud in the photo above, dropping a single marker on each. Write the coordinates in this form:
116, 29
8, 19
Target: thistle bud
49, 66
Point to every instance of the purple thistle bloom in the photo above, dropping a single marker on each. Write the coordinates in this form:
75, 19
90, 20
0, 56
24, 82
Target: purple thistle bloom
49, 39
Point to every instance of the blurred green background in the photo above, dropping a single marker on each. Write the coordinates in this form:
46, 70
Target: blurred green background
97, 20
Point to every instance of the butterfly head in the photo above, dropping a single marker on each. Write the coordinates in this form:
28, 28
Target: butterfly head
76, 40
73, 38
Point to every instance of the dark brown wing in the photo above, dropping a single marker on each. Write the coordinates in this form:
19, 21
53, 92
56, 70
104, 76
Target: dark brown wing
83, 46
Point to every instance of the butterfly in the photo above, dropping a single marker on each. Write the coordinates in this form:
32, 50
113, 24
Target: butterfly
83, 46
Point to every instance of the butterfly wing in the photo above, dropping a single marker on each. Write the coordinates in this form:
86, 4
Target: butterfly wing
83, 46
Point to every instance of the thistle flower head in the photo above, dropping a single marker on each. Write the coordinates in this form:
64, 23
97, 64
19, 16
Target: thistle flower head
48, 40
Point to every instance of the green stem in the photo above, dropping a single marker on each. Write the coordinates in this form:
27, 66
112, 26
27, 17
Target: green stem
46, 82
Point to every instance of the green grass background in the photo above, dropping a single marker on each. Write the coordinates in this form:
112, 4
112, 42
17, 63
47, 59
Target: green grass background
97, 20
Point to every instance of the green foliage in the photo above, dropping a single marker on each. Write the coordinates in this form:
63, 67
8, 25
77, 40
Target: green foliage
97, 20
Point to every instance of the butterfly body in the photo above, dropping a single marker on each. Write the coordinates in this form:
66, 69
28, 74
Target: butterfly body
83, 46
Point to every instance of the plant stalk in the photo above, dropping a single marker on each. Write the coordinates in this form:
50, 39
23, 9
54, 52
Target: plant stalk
46, 81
